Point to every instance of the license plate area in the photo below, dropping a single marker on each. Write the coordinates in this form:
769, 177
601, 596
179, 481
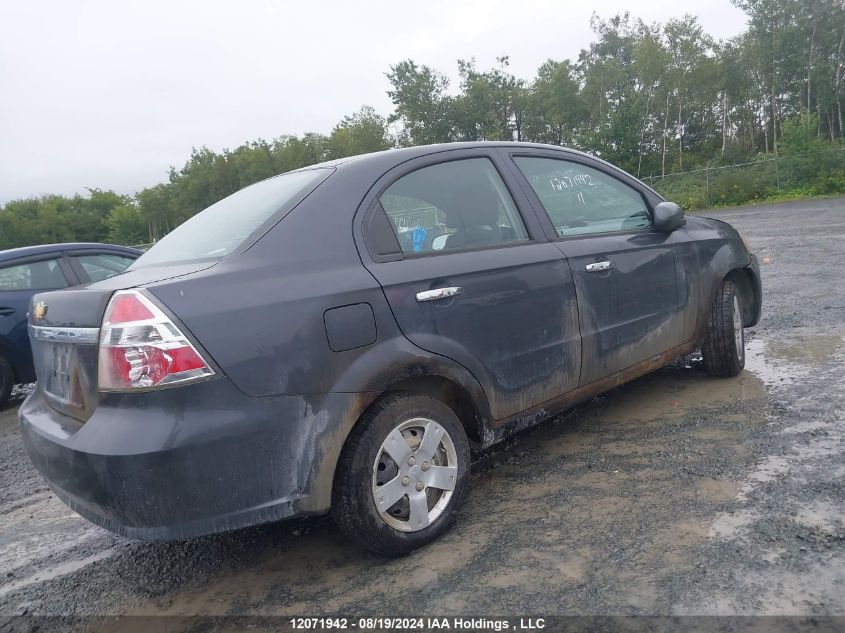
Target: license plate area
61, 380
66, 367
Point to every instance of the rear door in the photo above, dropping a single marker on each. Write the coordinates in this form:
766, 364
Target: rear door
625, 271
19, 280
471, 277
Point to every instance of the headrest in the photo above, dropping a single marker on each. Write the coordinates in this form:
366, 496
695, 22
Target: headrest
42, 276
473, 206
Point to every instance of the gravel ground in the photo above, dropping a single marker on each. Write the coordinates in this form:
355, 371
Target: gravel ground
676, 494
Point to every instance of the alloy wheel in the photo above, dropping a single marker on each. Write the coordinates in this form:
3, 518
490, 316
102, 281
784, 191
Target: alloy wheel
414, 474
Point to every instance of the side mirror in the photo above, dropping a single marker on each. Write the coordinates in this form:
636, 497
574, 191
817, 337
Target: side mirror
668, 216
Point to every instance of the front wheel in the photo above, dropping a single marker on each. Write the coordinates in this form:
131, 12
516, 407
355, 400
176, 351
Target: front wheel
723, 351
402, 475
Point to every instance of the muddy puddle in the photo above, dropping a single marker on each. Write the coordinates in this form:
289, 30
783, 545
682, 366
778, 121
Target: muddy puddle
787, 510
789, 358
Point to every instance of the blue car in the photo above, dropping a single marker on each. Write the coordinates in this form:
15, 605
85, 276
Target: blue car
25, 271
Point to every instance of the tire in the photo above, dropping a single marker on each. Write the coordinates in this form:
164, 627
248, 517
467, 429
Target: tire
375, 460
7, 381
724, 341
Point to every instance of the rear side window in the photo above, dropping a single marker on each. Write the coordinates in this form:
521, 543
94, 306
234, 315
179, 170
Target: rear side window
581, 200
41, 275
459, 204
224, 226
101, 266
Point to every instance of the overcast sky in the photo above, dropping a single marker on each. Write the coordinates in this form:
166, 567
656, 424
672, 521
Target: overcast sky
109, 94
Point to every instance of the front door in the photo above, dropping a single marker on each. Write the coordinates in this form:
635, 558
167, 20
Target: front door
625, 271
475, 280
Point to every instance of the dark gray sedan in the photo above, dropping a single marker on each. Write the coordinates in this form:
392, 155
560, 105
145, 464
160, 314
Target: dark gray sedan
338, 338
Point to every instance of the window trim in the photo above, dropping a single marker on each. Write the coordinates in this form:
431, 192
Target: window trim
535, 233
71, 278
464, 249
376, 209
585, 161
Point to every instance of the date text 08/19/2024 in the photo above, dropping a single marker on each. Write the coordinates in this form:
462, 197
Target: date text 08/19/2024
411, 624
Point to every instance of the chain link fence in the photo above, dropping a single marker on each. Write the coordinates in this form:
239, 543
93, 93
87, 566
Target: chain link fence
818, 173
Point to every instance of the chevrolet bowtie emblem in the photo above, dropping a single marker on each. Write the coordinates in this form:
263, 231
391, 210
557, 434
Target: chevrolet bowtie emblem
40, 310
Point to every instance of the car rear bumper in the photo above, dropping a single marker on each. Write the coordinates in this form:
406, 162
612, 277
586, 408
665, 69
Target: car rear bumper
192, 460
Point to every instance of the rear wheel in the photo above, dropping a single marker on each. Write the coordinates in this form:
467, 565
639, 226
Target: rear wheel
724, 342
402, 475
7, 380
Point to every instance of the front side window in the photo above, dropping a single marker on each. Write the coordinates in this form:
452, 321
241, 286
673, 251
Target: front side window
582, 200
224, 226
101, 266
459, 204
42, 275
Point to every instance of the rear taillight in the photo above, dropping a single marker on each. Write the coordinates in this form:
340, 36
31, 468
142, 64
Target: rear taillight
141, 348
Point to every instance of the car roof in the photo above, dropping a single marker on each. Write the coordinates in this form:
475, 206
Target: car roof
42, 249
373, 165
400, 155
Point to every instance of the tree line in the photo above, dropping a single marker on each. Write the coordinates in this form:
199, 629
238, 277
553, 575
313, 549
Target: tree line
654, 99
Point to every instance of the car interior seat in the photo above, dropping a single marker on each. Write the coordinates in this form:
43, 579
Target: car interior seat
474, 213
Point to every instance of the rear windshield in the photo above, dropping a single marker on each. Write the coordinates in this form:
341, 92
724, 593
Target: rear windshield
224, 226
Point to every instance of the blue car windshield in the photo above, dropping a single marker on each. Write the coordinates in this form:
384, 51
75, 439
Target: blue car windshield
221, 228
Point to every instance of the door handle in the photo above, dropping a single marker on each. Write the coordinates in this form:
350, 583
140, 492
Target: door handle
4, 311
438, 293
599, 267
